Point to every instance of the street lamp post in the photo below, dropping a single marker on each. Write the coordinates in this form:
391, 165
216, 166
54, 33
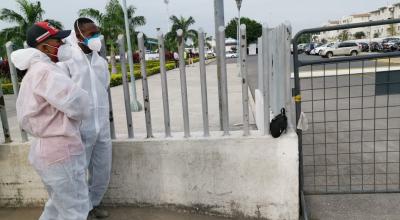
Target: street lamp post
239, 5
135, 104
169, 25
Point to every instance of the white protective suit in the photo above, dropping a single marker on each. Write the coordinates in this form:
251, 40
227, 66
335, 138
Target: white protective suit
50, 107
93, 76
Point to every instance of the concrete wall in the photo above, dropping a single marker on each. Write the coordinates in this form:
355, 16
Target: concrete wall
234, 176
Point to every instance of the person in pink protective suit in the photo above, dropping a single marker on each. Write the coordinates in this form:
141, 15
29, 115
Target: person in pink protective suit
50, 107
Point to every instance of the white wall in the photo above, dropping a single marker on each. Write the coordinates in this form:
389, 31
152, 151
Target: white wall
234, 176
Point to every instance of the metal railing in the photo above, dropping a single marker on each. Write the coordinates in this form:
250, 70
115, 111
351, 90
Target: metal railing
352, 144
164, 86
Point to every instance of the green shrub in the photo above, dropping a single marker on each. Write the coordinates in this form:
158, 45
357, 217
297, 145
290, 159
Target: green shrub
7, 88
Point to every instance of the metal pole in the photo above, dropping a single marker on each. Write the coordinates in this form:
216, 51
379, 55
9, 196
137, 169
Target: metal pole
219, 21
164, 86
3, 117
224, 86
203, 80
182, 69
146, 97
103, 53
245, 87
121, 43
135, 104
14, 79
239, 44
266, 68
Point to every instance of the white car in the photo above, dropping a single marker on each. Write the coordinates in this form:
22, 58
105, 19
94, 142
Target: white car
318, 50
230, 54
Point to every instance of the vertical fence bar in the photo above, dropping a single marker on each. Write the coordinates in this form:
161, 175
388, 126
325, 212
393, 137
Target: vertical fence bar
203, 80
14, 79
146, 97
266, 68
182, 69
245, 87
122, 54
3, 117
103, 54
164, 85
289, 104
224, 86
219, 21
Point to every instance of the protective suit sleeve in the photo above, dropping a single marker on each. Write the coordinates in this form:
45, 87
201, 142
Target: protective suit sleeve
63, 94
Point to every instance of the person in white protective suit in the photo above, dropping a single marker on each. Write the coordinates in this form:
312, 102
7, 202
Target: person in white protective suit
50, 107
90, 71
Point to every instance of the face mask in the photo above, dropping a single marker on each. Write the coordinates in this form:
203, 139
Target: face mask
94, 43
64, 52
56, 50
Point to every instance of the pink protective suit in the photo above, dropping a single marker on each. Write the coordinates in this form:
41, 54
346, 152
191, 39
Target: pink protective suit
50, 107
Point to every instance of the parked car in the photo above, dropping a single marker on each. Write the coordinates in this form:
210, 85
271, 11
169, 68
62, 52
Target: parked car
364, 46
375, 47
230, 54
391, 45
300, 48
310, 47
317, 50
342, 49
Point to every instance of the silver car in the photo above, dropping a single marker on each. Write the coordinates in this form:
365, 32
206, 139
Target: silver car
342, 49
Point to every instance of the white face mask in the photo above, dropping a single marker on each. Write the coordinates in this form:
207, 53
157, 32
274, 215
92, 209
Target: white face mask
64, 52
94, 44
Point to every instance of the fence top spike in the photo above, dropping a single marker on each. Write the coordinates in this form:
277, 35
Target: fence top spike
242, 27
140, 35
201, 31
120, 37
160, 34
9, 43
179, 32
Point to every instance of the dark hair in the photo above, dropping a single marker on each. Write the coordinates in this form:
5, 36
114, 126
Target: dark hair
81, 21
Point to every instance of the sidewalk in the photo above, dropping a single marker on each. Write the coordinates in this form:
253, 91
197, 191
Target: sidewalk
120, 213
175, 103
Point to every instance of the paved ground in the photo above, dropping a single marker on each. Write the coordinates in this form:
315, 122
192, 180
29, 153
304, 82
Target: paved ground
120, 213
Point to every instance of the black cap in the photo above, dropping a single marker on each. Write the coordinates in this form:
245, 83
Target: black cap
42, 31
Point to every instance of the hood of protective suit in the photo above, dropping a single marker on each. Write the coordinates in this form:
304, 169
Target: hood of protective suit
71, 39
24, 58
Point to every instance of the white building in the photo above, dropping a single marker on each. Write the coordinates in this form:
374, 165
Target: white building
383, 13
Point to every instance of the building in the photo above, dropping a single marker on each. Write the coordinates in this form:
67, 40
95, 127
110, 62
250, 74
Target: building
383, 13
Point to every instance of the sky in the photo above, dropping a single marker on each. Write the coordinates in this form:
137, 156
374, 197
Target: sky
300, 13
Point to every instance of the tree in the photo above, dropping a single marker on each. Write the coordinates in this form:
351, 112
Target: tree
171, 38
305, 38
29, 14
253, 29
392, 30
359, 35
324, 41
112, 23
344, 35
376, 35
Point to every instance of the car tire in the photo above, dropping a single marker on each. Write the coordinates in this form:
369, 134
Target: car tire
353, 53
329, 55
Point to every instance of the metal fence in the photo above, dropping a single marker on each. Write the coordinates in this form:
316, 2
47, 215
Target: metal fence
164, 91
353, 108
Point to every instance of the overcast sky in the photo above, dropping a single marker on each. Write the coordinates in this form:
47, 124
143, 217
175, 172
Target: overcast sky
300, 13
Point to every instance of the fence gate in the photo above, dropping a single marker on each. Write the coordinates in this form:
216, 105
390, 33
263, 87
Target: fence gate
353, 108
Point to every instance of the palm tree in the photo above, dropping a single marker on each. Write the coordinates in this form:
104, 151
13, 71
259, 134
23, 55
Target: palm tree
180, 23
29, 14
112, 24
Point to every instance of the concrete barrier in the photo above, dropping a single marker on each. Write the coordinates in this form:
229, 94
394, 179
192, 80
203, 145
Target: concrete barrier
238, 176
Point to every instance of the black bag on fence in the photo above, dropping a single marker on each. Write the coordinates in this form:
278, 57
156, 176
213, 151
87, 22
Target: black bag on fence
278, 124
